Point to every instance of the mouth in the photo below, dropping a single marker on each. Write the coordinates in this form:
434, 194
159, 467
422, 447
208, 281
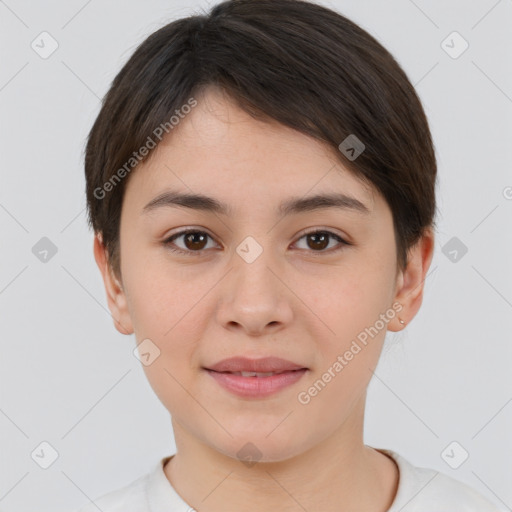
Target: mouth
248, 367
255, 378
259, 374
256, 385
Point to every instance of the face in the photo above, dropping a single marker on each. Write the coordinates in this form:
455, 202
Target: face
303, 283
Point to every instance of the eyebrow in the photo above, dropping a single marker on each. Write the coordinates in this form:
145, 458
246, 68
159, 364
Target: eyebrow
290, 206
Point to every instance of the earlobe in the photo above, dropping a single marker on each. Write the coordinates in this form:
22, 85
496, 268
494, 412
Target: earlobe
116, 297
411, 282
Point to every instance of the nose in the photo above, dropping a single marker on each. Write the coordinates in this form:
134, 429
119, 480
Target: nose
254, 297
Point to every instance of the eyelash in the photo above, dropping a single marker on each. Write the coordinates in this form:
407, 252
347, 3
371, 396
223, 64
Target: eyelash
169, 242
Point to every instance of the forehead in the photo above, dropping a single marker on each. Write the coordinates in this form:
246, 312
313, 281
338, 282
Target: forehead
219, 150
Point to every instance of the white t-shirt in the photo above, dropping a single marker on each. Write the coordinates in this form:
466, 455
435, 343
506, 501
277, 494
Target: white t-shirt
419, 490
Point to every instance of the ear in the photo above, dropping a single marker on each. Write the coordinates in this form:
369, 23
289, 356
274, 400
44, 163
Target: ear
411, 281
115, 294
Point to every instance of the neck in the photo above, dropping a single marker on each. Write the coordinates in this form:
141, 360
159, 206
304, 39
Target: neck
338, 474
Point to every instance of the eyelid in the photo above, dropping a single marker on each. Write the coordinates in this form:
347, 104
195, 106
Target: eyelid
342, 240
168, 240
309, 231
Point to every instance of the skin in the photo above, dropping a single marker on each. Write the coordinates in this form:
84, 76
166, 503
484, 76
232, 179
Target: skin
295, 301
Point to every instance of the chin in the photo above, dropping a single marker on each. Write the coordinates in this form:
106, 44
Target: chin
252, 448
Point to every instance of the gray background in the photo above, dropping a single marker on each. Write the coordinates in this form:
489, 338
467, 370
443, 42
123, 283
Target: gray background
69, 378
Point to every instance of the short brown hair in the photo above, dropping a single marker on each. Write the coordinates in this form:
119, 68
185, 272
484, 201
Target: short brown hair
293, 61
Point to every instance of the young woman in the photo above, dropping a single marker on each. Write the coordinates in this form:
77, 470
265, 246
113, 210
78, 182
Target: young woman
261, 183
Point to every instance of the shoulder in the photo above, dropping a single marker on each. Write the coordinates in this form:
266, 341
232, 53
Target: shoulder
151, 492
129, 497
427, 490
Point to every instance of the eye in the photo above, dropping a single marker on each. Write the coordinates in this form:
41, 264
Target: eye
195, 241
319, 240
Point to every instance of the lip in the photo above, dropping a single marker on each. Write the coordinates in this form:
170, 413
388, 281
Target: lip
261, 365
256, 387
224, 373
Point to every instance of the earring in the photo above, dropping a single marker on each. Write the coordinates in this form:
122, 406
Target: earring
401, 321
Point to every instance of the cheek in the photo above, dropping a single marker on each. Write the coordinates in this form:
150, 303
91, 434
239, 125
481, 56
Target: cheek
166, 308
350, 304
348, 298
155, 296
351, 308
166, 311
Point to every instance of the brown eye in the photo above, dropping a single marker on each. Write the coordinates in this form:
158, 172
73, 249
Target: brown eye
194, 242
318, 241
